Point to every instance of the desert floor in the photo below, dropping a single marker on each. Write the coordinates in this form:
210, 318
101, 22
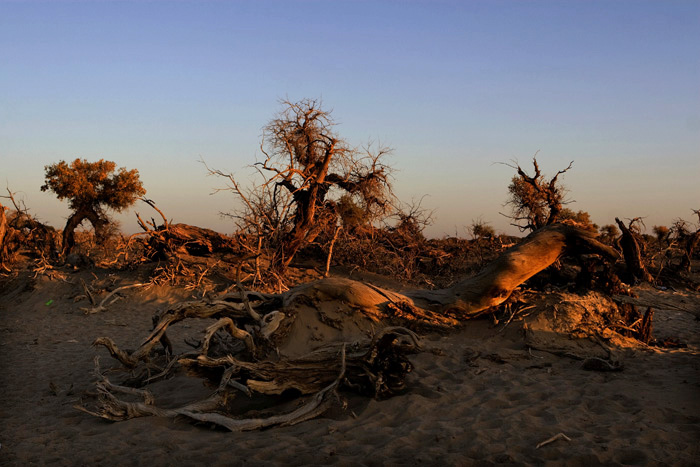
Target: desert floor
478, 396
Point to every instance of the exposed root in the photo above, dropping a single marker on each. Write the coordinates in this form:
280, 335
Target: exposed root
292, 340
377, 368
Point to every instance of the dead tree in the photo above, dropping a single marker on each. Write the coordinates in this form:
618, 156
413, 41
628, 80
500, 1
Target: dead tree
307, 167
313, 337
535, 200
632, 251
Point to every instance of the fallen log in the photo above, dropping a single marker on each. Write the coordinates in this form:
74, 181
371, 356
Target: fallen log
167, 238
272, 343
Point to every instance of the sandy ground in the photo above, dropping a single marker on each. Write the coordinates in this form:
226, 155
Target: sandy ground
476, 397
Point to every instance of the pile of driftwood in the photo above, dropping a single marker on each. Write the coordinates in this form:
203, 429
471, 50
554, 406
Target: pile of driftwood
316, 337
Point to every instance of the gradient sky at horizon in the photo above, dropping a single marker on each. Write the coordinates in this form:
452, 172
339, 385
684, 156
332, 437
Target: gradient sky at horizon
454, 87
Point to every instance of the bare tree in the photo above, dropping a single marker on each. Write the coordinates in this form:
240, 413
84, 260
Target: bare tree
534, 200
306, 170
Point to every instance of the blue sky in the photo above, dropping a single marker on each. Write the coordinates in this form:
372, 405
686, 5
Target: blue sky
453, 87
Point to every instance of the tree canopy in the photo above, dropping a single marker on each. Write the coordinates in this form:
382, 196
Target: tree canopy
93, 184
90, 187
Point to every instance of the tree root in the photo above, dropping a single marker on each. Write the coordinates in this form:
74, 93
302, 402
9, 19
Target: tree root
378, 367
332, 309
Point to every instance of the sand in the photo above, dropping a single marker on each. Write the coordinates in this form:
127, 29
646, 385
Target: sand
478, 396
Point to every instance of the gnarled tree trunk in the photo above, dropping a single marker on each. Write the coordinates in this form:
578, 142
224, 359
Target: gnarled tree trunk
90, 213
473, 295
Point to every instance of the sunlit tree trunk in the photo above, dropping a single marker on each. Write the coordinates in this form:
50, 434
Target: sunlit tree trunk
90, 213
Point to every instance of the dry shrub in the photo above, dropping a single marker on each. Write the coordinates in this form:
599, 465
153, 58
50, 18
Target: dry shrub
414, 259
22, 234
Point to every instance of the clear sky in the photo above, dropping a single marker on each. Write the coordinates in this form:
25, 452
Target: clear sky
453, 86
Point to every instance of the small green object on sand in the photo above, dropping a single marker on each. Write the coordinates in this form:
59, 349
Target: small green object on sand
49, 302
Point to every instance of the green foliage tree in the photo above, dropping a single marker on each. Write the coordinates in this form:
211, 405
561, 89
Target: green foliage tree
91, 188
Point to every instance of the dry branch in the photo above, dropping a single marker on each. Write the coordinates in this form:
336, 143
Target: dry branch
103, 304
281, 353
372, 366
554, 438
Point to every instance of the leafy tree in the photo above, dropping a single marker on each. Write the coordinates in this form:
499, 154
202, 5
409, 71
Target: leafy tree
91, 188
310, 176
534, 200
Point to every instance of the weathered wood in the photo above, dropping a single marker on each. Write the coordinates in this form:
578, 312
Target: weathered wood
645, 328
20, 231
3, 225
492, 286
378, 367
444, 308
632, 253
96, 218
103, 304
283, 351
